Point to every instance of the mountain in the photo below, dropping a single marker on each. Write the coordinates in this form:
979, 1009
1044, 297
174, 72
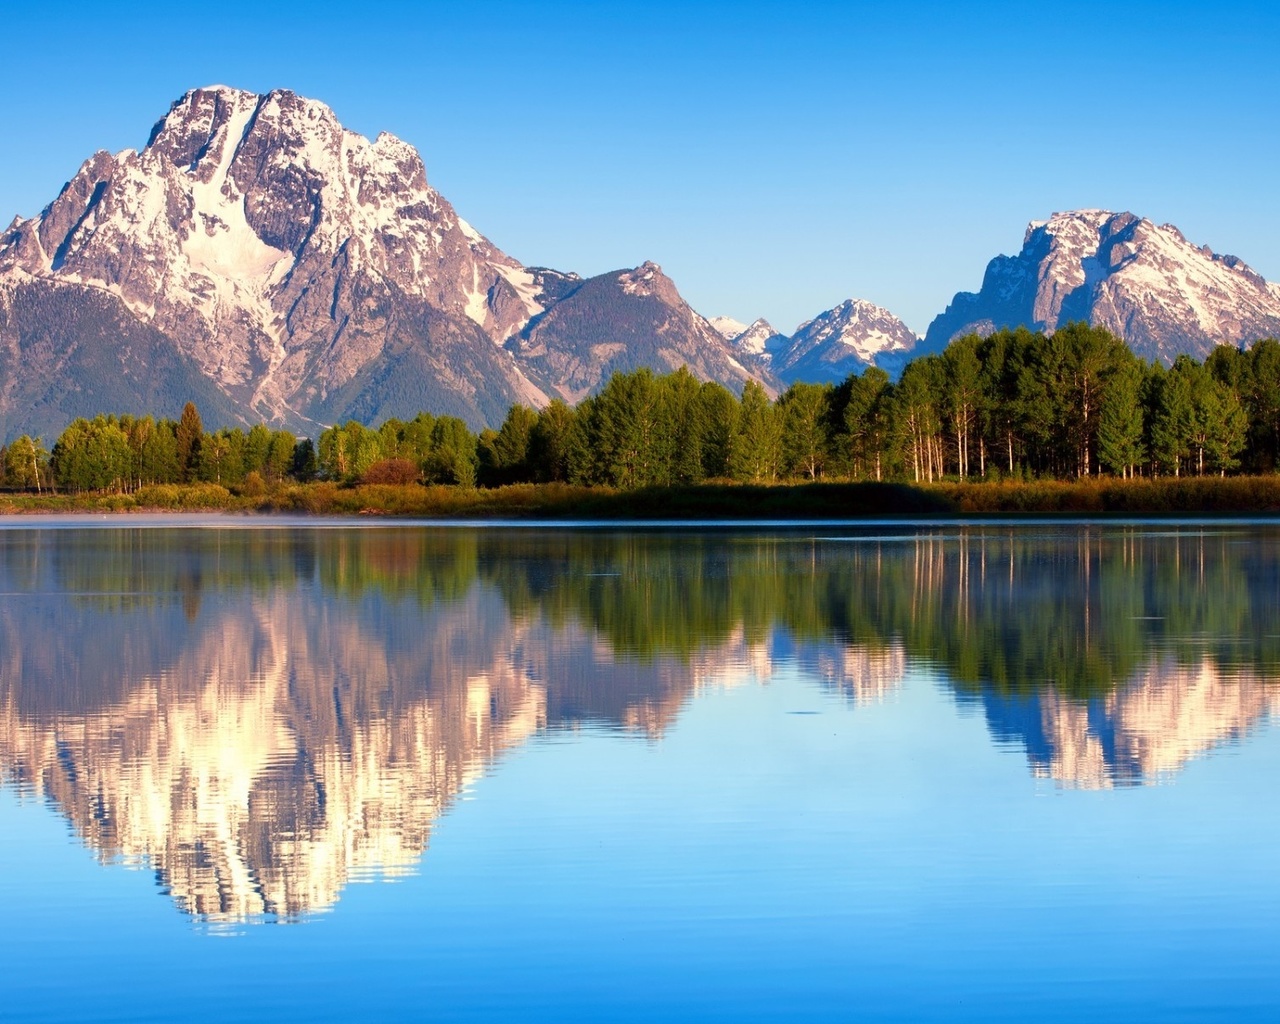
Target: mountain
1166, 714
260, 258
726, 326
760, 339
1144, 282
619, 322
843, 340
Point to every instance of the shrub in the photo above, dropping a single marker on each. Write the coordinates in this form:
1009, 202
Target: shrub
390, 471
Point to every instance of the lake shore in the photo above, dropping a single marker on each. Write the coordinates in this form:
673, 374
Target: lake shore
810, 501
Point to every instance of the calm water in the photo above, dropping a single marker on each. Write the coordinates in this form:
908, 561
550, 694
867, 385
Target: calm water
888, 773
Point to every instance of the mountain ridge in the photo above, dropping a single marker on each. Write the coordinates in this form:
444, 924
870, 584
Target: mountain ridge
258, 257
308, 273
1143, 282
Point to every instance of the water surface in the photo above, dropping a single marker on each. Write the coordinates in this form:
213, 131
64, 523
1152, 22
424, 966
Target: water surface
939, 772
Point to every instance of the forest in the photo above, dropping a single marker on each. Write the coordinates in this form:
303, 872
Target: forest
1016, 404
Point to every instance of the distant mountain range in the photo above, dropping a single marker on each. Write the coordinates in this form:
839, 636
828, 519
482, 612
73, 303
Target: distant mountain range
260, 259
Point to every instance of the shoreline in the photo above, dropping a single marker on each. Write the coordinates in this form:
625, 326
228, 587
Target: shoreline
1196, 498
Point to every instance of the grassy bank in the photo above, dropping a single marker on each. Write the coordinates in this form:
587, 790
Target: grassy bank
1207, 495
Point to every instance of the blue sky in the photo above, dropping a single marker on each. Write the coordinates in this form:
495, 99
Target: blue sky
774, 161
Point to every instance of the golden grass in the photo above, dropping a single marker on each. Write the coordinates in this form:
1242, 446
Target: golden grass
718, 500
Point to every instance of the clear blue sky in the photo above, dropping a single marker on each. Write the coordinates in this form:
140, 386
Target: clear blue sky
775, 161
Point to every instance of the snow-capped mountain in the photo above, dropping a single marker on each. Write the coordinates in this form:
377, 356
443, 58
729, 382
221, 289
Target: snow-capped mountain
297, 271
760, 339
1144, 282
726, 326
844, 340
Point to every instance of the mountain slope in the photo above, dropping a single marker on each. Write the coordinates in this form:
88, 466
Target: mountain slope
305, 273
68, 351
1144, 282
622, 321
844, 340
281, 254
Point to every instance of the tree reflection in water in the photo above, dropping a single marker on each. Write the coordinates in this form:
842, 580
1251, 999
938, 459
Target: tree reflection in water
262, 715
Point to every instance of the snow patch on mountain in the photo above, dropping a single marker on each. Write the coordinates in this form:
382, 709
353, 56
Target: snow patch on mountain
760, 339
1144, 282
726, 326
843, 340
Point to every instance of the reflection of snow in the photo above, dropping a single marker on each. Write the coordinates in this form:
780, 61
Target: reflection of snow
1144, 732
866, 675
248, 800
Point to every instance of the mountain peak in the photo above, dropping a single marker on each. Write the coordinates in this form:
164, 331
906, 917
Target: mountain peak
726, 326
845, 339
1144, 282
305, 273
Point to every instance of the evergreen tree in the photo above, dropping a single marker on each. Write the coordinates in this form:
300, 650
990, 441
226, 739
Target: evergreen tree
548, 443
1120, 423
305, 465
1263, 402
865, 426
718, 416
755, 452
189, 434
805, 435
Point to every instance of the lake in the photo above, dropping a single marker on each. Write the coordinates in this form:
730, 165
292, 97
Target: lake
262, 770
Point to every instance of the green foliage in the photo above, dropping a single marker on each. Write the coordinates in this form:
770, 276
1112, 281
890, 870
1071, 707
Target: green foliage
504, 454
1013, 406
548, 453
756, 448
865, 422
304, 465
1120, 427
93, 456
452, 458
806, 440
719, 412
189, 434
26, 464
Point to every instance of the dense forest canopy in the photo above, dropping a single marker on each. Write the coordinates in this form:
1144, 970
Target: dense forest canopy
1015, 404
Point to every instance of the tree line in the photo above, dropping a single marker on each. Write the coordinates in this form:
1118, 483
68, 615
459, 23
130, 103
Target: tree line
1016, 403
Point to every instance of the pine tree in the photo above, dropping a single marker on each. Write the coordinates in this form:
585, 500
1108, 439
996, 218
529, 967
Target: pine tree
755, 451
189, 435
1120, 422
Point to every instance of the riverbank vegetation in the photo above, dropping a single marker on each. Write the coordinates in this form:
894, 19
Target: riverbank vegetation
1016, 421
706, 501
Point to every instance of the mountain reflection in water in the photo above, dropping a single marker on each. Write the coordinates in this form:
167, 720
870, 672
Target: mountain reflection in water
261, 716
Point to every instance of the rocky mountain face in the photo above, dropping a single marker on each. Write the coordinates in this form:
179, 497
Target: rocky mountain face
844, 340
260, 258
1143, 282
619, 322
